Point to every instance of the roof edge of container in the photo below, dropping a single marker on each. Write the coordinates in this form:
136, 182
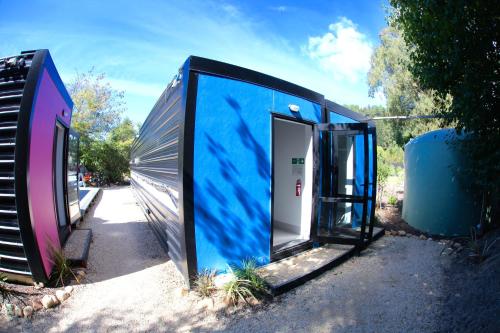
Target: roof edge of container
218, 68
342, 110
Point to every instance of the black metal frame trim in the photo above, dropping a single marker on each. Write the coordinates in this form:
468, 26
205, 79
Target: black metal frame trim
342, 110
345, 128
22, 152
222, 69
186, 181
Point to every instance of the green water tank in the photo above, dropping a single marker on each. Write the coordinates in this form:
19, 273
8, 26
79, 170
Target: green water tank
436, 199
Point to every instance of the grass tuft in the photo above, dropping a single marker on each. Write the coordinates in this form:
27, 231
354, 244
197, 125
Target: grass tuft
62, 270
204, 283
479, 251
246, 284
238, 290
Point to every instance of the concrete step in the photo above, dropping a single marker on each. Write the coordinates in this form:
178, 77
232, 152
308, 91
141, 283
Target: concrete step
288, 273
76, 249
87, 197
293, 271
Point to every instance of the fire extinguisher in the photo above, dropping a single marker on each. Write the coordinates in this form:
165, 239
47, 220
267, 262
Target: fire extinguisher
298, 188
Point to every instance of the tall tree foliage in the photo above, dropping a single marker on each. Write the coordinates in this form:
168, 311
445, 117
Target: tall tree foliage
455, 52
385, 135
390, 75
98, 107
105, 139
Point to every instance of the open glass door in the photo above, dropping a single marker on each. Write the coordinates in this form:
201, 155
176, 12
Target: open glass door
72, 177
342, 205
60, 184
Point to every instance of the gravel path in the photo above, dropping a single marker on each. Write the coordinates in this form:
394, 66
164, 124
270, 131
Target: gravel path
394, 286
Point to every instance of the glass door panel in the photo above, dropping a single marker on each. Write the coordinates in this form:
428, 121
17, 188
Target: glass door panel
343, 200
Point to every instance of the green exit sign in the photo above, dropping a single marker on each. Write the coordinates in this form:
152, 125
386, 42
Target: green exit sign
298, 160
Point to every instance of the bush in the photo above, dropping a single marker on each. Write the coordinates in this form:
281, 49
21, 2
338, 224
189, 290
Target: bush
248, 271
245, 284
392, 200
204, 283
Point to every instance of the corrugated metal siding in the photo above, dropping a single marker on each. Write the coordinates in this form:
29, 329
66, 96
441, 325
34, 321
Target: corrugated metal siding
155, 171
12, 81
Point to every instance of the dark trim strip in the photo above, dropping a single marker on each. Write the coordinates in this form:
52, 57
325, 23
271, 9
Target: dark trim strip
343, 128
22, 153
373, 132
63, 231
186, 167
290, 251
222, 69
339, 109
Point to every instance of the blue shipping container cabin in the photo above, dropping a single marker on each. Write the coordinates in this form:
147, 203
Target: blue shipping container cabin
233, 164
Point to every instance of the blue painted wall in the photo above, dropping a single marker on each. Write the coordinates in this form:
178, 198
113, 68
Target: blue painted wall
232, 168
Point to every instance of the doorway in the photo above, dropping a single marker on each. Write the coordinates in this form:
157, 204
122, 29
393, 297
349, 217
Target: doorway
292, 183
343, 203
60, 153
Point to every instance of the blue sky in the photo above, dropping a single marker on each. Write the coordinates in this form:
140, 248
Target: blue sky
321, 45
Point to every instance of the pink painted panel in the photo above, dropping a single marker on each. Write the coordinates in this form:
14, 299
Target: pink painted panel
48, 104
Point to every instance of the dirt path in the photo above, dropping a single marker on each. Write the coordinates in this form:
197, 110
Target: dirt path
129, 275
397, 285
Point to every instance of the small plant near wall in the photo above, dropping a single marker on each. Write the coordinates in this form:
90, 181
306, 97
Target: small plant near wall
392, 200
248, 271
479, 251
246, 284
204, 284
62, 270
238, 290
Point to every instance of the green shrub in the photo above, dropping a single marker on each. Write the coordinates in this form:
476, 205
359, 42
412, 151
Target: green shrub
246, 283
238, 290
392, 200
204, 283
248, 272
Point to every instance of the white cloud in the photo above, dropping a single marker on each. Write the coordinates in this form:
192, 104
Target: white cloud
280, 9
343, 50
231, 10
142, 59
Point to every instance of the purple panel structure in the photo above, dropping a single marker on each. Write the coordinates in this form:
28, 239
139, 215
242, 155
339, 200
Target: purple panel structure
48, 108
35, 117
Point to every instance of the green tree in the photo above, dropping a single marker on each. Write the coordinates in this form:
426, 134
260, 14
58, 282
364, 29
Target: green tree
98, 107
455, 51
390, 75
384, 130
105, 139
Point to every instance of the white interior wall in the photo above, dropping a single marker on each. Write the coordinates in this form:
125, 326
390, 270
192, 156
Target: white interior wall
344, 146
292, 213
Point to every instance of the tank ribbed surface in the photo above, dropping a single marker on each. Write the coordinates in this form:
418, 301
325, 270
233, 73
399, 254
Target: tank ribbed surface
436, 197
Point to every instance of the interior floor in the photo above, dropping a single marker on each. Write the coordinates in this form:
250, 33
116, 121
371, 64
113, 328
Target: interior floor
284, 238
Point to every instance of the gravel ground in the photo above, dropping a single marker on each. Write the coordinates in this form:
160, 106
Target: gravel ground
396, 285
